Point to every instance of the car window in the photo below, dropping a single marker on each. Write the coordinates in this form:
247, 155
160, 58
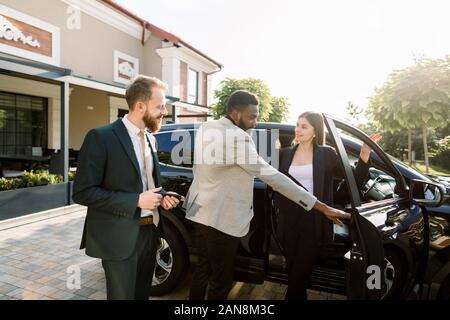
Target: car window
265, 142
416, 175
374, 183
285, 139
176, 147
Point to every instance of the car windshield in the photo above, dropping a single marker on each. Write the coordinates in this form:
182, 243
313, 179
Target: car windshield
397, 162
418, 173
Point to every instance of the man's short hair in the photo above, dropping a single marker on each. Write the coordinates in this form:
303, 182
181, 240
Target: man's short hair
140, 89
241, 99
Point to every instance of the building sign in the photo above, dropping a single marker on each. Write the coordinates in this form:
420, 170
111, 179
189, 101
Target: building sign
125, 67
27, 37
9, 32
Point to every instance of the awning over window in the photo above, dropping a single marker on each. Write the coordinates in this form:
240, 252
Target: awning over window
13, 66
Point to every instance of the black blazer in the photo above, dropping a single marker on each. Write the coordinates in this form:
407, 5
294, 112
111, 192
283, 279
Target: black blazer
108, 182
313, 225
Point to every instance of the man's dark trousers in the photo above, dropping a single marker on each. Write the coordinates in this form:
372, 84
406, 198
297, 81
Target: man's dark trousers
131, 279
216, 254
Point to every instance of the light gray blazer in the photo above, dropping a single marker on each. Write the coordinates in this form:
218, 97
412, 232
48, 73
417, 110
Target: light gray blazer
225, 164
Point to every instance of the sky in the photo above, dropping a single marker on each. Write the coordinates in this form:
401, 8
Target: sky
319, 54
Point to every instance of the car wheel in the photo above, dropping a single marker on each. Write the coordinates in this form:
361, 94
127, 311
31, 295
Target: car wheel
172, 262
395, 272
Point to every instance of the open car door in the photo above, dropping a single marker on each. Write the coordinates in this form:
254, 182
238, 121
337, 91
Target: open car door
365, 259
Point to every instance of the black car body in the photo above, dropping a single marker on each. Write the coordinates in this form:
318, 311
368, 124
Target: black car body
388, 228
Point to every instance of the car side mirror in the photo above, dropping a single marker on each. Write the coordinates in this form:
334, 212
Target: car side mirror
427, 193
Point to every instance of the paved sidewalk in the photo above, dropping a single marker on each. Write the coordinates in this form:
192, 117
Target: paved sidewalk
38, 259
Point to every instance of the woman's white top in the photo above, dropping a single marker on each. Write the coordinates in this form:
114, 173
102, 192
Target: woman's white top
304, 175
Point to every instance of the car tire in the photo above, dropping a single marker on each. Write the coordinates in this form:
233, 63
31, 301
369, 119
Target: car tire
172, 262
395, 271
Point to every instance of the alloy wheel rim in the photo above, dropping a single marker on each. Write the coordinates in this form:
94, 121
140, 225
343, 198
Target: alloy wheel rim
164, 263
389, 277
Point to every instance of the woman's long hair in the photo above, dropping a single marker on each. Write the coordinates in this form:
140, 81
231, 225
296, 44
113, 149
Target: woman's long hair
316, 120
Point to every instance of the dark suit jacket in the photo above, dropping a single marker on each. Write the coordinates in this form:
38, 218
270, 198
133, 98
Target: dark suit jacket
108, 182
312, 225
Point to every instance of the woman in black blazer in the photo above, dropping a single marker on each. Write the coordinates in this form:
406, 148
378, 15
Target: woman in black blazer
313, 165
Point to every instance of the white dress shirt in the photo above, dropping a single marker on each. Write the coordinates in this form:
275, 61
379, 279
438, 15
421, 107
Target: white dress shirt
133, 131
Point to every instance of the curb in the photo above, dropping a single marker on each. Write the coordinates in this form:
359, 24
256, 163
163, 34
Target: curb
39, 216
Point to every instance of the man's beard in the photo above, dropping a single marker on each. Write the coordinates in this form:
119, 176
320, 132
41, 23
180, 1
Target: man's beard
241, 125
152, 124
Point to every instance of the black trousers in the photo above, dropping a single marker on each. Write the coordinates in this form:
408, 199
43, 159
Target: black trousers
131, 279
214, 269
301, 258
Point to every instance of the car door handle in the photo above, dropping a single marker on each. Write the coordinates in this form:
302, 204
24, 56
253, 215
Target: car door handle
182, 178
390, 215
392, 229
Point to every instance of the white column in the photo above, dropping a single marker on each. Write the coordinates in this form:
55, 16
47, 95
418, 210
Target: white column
209, 90
200, 87
54, 123
115, 104
171, 75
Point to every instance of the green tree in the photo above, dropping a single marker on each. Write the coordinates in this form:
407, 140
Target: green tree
257, 87
382, 112
442, 153
280, 109
416, 97
443, 132
354, 113
396, 143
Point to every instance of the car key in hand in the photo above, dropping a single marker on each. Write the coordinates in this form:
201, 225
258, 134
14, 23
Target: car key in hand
171, 193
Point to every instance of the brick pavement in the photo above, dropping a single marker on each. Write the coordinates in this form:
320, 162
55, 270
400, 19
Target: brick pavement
37, 261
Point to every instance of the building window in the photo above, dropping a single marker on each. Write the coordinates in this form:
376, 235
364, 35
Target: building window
23, 123
192, 86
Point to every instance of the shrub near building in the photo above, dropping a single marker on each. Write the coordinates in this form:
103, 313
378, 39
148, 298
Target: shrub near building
32, 179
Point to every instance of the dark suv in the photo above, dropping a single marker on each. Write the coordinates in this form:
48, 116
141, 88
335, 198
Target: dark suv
399, 221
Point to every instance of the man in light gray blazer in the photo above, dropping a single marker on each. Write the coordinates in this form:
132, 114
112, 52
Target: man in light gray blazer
220, 198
